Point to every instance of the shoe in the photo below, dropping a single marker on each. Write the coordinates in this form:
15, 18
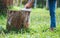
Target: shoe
51, 29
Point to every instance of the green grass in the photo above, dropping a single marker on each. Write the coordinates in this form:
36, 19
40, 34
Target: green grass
15, 8
39, 24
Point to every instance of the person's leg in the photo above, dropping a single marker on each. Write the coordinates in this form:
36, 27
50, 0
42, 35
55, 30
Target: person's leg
52, 7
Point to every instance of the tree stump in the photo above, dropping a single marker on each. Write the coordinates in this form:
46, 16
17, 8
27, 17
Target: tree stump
17, 19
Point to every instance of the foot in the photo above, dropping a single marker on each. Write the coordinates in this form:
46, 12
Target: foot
51, 29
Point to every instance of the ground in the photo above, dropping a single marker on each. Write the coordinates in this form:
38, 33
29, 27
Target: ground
39, 24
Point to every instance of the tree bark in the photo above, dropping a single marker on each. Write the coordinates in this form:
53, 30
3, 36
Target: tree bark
35, 4
47, 4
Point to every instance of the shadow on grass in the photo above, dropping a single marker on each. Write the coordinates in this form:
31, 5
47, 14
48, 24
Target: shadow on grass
21, 31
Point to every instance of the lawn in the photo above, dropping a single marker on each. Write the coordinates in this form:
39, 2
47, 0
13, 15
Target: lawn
39, 24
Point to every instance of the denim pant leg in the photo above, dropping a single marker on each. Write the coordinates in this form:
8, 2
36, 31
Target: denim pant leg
52, 7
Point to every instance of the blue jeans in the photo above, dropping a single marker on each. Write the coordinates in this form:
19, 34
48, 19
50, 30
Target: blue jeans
52, 7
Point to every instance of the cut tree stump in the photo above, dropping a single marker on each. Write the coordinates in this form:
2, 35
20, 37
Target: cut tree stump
17, 19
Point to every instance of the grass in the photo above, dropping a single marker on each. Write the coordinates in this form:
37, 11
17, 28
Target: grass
15, 8
39, 24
